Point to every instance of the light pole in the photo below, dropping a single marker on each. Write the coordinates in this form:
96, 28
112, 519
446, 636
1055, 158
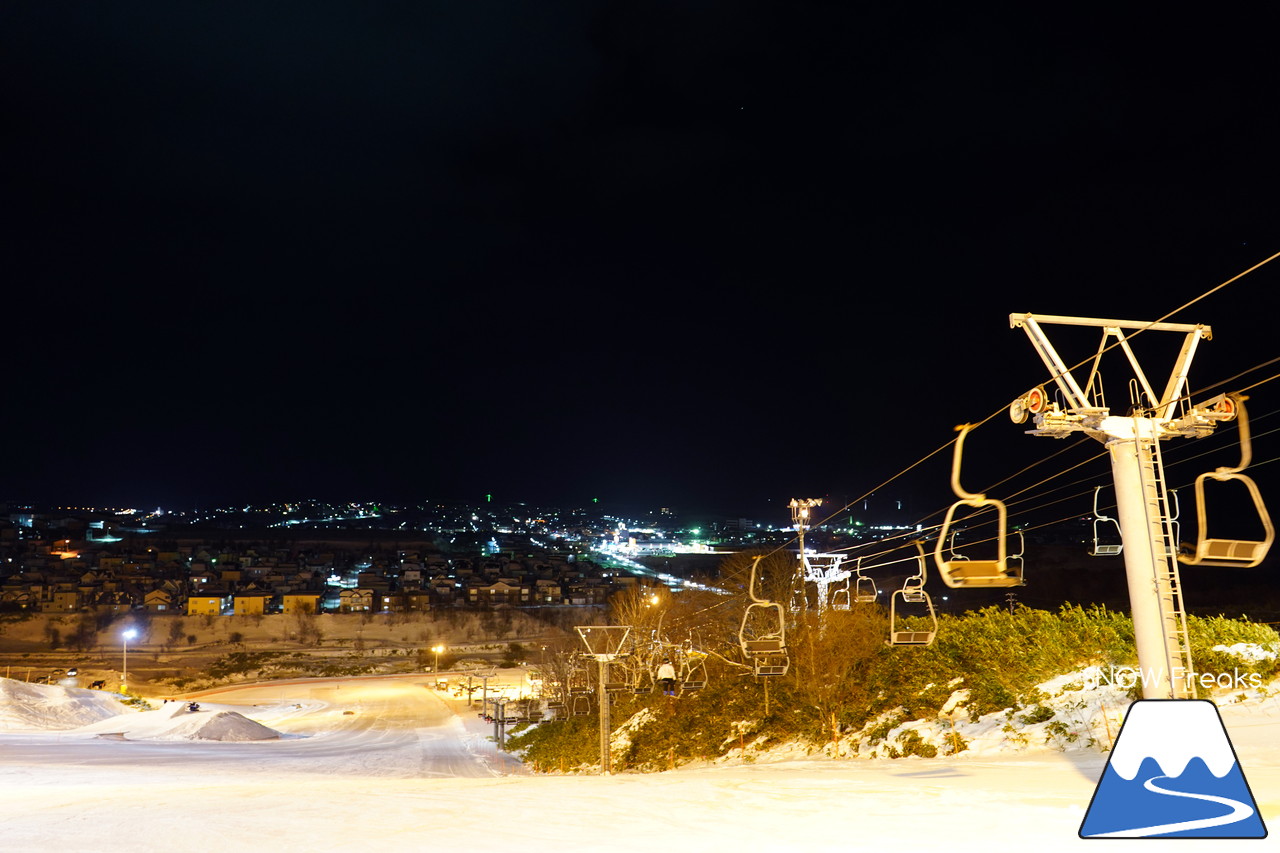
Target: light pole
124, 653
437, 650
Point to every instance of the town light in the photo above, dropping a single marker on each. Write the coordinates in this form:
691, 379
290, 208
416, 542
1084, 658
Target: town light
128, 635
437, 650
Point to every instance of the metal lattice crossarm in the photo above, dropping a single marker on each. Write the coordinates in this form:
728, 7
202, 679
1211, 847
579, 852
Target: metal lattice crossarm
604, 642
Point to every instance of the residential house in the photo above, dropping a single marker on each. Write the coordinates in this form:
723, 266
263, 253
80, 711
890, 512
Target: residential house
206, 603
300, 602
158, 601
359, 600
250, 602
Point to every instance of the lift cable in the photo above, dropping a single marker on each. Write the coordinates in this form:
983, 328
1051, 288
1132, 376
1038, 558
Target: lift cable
997, 412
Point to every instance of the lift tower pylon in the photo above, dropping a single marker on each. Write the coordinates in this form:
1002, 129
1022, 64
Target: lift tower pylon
1142, 498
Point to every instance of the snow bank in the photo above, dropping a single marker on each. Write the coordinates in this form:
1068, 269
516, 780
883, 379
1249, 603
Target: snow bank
1250, 652
1072, 712
175, 722
26, 706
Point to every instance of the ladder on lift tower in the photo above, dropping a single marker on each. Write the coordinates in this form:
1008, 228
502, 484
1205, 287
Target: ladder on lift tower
1166, 579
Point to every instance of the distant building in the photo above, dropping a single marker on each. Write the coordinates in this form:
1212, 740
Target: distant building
300, 602
205, 604
250, 603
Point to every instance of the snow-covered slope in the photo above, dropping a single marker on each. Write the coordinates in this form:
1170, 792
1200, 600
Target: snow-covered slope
25, 707
40, 707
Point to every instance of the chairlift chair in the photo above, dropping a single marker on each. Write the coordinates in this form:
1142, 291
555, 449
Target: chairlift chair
692, 671
579, 681
956, 571
912, 592
1100, 549
616, 679
842, 597
641, 678
766, 648
1243, 553
864, 589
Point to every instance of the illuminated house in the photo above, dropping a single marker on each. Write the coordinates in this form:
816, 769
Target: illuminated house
357, 600
205, 604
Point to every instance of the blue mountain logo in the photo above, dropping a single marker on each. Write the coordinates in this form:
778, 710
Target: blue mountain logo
1172, 774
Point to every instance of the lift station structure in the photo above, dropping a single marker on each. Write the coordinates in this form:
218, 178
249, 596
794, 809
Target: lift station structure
1142, 498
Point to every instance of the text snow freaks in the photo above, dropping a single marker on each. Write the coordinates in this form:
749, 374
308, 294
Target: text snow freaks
1127, 677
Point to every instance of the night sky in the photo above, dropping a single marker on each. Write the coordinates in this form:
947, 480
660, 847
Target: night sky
701, 255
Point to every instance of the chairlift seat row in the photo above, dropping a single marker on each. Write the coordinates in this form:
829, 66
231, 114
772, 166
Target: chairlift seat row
958, 571
865, 591
1228, 551
765, 648
1099, 548
1213, 551
912, 592
771, 668
911, 638
1217, 551
770, 639
962, 573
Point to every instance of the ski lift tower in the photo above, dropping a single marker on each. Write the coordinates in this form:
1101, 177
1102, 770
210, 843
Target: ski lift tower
800, 512
604, 643
1133, 442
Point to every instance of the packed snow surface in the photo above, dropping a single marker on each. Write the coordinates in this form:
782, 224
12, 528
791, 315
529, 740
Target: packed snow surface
390, 764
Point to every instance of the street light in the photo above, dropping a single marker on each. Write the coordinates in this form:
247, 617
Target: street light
437, 650
124, 666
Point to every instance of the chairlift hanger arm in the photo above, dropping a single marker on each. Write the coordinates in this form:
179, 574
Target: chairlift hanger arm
964, 430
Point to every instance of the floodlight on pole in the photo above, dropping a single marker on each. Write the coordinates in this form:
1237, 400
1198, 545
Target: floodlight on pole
124, 654
437, 650
800, 513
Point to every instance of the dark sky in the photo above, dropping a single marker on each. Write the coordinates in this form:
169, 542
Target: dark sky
705, 255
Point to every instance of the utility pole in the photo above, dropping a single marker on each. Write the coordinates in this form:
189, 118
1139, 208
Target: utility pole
1133, 443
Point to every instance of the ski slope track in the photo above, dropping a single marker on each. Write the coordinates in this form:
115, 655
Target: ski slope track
391, 764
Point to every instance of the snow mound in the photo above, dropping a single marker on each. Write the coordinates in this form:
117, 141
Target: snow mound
221, 725
176, 722
1250, 652
26, 706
